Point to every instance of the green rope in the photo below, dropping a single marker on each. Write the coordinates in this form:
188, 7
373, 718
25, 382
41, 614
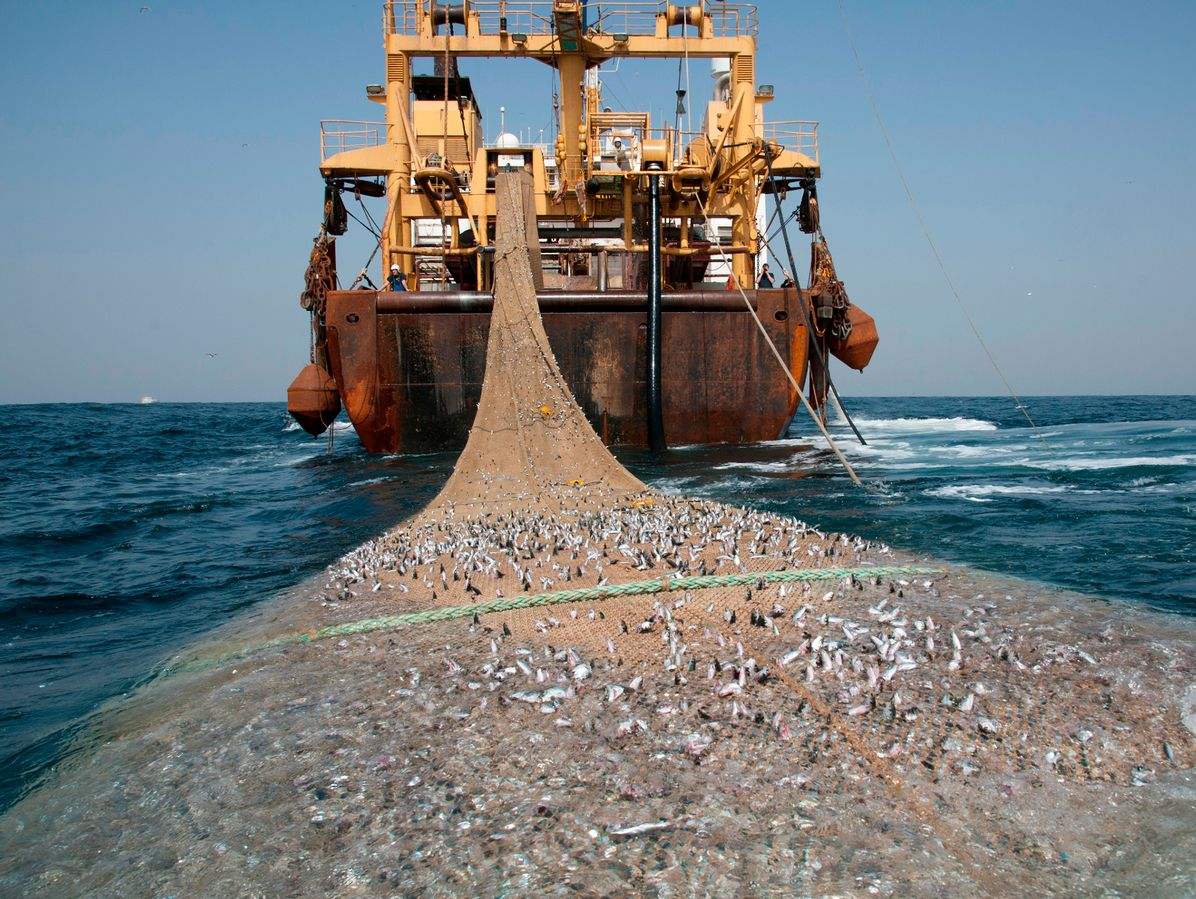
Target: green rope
533, 600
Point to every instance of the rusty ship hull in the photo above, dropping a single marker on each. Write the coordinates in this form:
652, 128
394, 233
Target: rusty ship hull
409, 366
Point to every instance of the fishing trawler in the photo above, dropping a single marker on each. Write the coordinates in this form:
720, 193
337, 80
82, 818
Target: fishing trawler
651, 238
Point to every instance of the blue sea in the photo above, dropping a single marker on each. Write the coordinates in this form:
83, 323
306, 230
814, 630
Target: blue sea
128, 530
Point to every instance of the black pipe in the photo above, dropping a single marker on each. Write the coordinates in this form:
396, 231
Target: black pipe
655, 412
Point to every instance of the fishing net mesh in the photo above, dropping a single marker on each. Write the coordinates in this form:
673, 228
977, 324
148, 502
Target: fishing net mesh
530, 444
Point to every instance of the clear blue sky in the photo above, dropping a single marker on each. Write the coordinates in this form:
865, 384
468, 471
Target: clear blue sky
160, 186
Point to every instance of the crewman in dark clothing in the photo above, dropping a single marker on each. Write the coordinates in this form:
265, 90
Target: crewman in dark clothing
765, 282
396, 279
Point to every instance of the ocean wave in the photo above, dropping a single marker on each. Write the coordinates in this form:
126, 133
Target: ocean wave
988, 454
784, 465
338, 426
293, 461
1164, 488
922, 425
1100, 464
677, 485
370, 482
983, 493
962, 451
815, 447
119, 521
72, 605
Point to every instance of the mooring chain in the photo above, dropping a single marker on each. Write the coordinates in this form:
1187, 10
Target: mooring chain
318, 277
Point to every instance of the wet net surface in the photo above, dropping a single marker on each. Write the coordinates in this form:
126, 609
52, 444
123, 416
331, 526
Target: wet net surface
877, 733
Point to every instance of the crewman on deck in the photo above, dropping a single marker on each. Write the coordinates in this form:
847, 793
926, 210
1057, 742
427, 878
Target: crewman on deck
765, 282
397, 280
622, 155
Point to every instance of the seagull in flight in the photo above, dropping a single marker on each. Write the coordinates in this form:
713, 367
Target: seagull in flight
211, 355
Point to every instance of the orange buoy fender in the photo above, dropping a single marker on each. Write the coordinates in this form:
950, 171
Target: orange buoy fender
856, 351
312, 399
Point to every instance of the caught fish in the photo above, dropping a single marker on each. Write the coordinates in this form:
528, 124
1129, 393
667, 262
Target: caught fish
790, 656
696, 745
640, 828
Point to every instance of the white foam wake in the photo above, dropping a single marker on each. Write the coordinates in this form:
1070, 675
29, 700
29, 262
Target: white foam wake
921, 425
338, 425
983, 493
1088, 463
789, 465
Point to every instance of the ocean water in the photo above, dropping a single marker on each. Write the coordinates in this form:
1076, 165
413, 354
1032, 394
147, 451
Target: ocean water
126, 531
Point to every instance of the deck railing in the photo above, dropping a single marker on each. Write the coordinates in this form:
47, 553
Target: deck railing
535, 17
799, 136
338, 135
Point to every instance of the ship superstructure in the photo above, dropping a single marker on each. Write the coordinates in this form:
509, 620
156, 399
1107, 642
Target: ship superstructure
641, 228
